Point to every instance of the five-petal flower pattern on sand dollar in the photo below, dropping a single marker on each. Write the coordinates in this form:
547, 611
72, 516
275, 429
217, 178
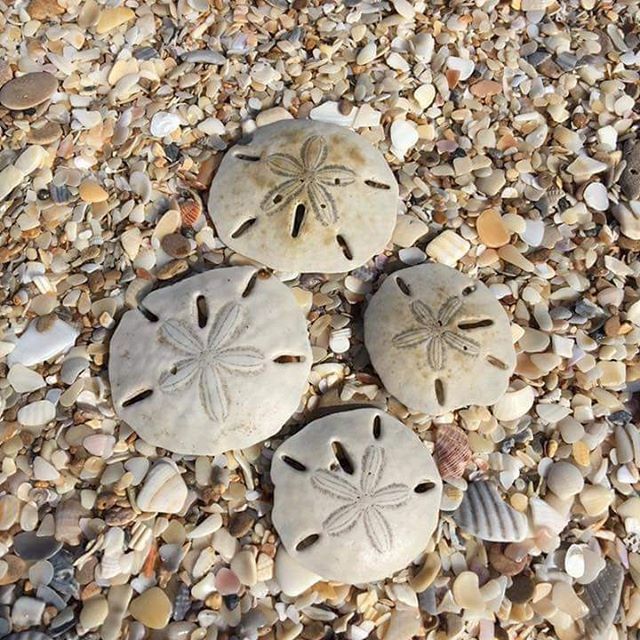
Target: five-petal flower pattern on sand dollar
307, 177
366, 502
209, 363
436, 332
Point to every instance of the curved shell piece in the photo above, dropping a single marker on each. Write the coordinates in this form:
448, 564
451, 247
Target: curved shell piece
305, 196
484, 513
452, 451
216, 362
357, 496
602, 597
439, 340
163, 490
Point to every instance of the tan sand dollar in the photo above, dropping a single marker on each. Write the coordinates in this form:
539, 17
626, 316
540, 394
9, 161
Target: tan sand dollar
305, 196
357, 496
216, 362
439, 340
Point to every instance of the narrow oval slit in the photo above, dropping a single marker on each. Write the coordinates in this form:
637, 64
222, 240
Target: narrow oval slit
298, 219
139, 397
403, 286
377, 185
293, 463
345, 247
202, 309
377, 428
342, 457
149, 315
475, 324
250, 285
467, 291
244, 227
307, 542
423, 487
287, 359
247, 157
496, 362
439, 389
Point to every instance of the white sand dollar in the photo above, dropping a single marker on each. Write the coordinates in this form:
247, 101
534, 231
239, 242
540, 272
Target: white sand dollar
216, 362
305, 196
357, 496
439, 340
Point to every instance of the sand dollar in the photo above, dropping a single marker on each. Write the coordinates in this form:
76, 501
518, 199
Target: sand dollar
439, 340
305, 196
216, 362
357, 496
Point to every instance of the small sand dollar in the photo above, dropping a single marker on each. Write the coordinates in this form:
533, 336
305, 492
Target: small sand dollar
439, 340
357, 496
216, 362
305, 196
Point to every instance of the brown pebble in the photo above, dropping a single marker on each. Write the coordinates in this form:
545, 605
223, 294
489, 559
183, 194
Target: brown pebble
176, 245
521, 590
504, 565
16, 568
486, 88
152, 608
172, 269
28, 90
46, 134
44, 9
240, 523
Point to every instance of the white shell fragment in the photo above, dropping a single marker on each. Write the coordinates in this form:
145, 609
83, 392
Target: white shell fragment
305, 196
35, 346
216, 362
356, 496
484, 513
163, 490
439, 340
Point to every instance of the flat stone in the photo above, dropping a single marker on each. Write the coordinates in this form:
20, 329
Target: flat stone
564, 479
408, 230
35, 345
152, 608
164, 490
356, 496
307, 185
91, 192
94, 613
176, 245
30, 546
28, 91
229, 348
439, 340
492, 231
113, 17
447, 248
490, 185
44, 9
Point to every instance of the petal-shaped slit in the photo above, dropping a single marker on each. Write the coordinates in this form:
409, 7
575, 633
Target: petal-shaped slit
423, 314
227, 324
342, 519
180, 375
392, 495
411, 337
378, 530
281, 195
314, 152
285, 165
335, 175
322, 203
213, 394
334, 485
435, 353
372, 466
461, 343
180, 337
449, 309
245, 359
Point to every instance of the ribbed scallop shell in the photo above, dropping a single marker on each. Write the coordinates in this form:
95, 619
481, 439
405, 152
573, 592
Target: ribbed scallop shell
484, 513
190, 210
452, 451
602, 596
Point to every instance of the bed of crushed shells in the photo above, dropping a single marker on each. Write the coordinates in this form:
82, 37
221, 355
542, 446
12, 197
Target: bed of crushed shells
507, 124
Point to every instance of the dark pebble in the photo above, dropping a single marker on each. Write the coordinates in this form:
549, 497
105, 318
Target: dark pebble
240, 523
231, 601
521, 590
30, 546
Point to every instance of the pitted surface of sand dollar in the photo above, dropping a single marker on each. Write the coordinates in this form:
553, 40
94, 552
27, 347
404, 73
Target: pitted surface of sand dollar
305, 196
357, 496
439, 340
216, 362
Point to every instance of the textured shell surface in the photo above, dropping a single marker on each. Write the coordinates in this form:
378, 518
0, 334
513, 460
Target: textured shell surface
602, 597
163, 490
317, 198
439, 340
67, 519
484, 513
452, 451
